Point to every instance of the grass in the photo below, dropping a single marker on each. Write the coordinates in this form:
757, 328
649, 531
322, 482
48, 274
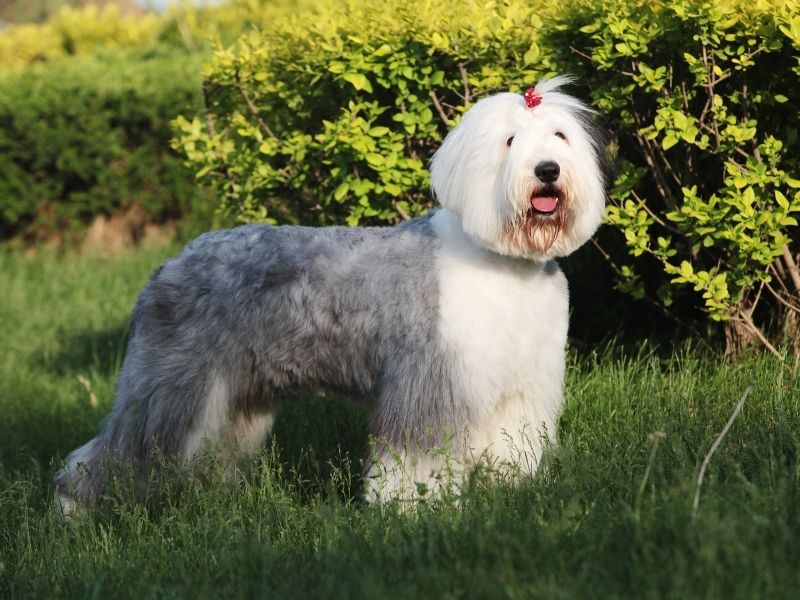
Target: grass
609, 516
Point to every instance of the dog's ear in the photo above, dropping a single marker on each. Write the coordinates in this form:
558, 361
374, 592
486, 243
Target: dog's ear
600, 139
468, 167
444, 163
466, 171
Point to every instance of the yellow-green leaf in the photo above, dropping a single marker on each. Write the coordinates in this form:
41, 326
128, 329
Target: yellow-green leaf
341, 191
358, 81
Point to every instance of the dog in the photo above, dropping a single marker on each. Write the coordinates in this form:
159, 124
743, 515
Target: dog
453, 326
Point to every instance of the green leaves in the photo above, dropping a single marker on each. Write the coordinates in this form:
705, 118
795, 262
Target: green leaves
89, 135
332, 117
714, 201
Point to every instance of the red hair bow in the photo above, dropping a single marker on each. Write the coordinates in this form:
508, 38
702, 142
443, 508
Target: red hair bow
532, 99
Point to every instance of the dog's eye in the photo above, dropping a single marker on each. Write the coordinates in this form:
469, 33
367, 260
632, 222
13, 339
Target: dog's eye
561, 135
509, 140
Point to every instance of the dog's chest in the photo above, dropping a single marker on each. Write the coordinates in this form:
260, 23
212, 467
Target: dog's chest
503, 321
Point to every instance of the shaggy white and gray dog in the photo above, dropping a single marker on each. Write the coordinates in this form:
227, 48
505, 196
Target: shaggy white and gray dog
452, 326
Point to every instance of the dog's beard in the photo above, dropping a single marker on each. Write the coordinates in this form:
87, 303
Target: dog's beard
534, 231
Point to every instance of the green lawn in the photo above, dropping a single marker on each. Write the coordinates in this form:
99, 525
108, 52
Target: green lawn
609, 516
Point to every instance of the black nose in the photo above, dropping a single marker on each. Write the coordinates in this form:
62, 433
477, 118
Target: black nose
547, 171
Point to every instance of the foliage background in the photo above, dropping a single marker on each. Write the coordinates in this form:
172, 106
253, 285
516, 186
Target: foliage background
701, 96
329, 113
332, 118
90, 135
610, 514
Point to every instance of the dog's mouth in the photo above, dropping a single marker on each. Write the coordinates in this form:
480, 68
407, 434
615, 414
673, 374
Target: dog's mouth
545, 200
537, 227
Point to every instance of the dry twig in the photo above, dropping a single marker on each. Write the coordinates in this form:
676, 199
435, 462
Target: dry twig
715, 445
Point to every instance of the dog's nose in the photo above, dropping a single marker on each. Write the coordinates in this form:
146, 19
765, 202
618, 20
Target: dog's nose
547, 171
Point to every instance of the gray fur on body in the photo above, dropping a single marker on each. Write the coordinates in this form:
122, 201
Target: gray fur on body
268, 309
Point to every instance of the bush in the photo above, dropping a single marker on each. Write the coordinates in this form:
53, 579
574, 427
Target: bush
333, 118
703, 98
75, 31
85, 99
91, 134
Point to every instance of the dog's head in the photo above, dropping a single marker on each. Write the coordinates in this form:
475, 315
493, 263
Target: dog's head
525, 174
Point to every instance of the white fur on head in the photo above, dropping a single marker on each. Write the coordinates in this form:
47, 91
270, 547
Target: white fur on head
490, 183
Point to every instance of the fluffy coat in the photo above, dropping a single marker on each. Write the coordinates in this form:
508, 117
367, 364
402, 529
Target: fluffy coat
452, 326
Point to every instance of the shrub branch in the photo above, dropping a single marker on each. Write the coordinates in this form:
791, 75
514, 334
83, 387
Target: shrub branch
791, 266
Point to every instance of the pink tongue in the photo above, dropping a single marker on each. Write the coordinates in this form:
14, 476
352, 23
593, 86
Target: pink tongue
544, 203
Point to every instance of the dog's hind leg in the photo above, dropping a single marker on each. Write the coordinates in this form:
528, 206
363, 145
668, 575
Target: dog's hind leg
250, 430
211, 422
80, 481
152, 416
223, 425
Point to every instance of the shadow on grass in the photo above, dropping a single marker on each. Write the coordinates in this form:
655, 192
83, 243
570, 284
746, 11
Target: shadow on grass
42, 433
318, 446
54, 404
99, 350
321, 436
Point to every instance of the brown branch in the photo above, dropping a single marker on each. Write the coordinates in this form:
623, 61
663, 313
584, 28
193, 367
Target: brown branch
207, 110
648, 146
748, 321
653, 215
439, 109
650, 159
579, 53
462, 68
253, 108
758, 298
235, 189
754, 141
685, 95
779, 297
713, 82
791, 266
709, 86
212, 129
777, 266
401, 211
701, 120
668, 165
715, 132
690, 157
